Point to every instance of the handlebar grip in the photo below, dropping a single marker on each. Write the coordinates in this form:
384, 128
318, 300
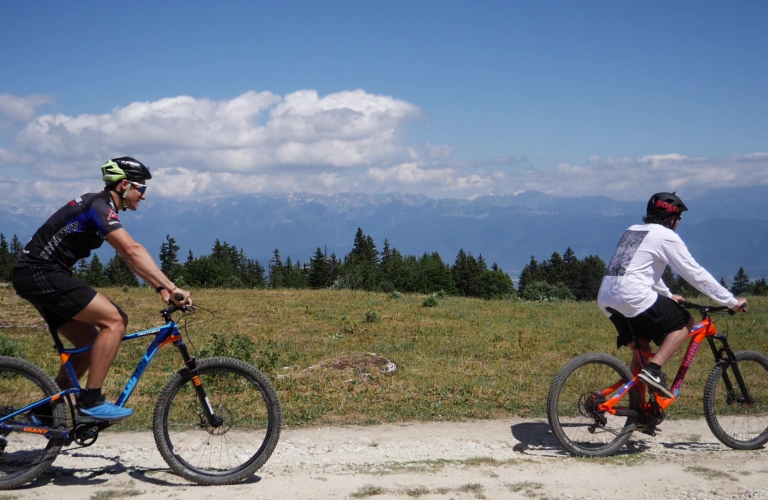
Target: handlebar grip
179, 297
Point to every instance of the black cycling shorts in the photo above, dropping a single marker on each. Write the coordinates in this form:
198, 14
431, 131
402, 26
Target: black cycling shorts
663, 317
58, 295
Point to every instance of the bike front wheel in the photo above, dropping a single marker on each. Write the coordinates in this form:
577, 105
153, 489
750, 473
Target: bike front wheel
26, 455
738, 418
574, 396
232, 450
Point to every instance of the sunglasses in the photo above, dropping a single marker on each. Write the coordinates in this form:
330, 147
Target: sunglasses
141, 187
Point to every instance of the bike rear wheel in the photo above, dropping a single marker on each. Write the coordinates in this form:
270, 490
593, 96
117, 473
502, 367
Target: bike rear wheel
224, 454
572, 404
26, 455
737, 423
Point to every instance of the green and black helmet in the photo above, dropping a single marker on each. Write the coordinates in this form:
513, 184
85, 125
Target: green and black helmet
126, 167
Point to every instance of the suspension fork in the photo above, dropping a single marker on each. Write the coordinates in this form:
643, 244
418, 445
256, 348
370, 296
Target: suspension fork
724, 356
191, 365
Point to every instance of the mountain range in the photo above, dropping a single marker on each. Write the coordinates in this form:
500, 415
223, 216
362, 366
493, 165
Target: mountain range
725, 229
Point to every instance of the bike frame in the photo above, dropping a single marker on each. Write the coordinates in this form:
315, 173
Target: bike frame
166, 334
703, 330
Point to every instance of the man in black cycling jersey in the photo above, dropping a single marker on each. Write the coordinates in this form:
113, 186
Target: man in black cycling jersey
635, 298
43, 275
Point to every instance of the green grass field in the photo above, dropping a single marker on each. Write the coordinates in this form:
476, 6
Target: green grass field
464, 359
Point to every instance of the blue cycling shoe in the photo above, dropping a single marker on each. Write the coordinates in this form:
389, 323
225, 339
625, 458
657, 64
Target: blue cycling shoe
105, 411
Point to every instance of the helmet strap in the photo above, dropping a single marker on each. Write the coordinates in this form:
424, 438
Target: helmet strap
124, 195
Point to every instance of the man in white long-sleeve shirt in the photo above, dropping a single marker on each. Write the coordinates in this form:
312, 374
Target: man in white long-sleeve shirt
634, 296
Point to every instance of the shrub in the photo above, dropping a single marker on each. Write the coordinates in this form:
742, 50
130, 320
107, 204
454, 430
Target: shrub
10, 347
238, 347
395, 295
540, 290
440, 294
430, 301
371, 316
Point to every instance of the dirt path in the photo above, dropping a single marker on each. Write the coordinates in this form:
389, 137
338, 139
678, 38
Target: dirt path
472, 460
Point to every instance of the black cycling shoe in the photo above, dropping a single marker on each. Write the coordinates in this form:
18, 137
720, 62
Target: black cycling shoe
655, 380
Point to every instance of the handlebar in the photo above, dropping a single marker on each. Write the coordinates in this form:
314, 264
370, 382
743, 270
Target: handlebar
707, 310
173, 308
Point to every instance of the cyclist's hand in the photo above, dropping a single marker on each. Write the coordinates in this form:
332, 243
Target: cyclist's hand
678, 298
186, 299
170, 297
741, 306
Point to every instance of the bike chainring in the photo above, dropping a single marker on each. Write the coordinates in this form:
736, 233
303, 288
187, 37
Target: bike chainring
86, 434
658, 414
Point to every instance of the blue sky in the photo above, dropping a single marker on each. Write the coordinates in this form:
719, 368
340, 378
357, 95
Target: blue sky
441, 98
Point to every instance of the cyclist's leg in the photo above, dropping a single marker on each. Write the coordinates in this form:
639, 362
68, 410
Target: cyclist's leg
645, 346
111, 322
672, 343
79, 334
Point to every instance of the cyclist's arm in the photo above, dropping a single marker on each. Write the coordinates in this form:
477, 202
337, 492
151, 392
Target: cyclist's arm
661, 288
681, 260
141, 262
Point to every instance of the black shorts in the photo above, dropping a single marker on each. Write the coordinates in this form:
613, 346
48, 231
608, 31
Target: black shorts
663, 317
58, 295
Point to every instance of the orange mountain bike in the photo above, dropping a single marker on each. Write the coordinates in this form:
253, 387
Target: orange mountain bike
595, 402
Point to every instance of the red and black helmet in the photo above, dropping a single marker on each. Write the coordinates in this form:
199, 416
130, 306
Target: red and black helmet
664, 205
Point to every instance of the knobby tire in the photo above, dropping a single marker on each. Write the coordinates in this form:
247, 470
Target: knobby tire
26, 455
576, 385
733, 420
232, 452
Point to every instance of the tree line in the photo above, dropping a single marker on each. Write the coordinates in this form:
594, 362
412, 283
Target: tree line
367, 268
567, 277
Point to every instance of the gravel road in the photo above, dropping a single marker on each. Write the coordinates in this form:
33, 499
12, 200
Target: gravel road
504, 459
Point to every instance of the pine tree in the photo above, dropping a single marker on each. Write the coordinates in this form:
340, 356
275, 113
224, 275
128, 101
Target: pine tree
740, 283
593, 270
80, 271
530, 274
572, 269
254, 274
494, 284
16, 248
95, 274
466, 272
6, 262
276, 271
119, 274
760, 287
360, 267
169, 257
434, 275
319, 271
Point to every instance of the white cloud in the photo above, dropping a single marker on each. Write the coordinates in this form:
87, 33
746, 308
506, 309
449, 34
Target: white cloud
635, 178
14, 109
411, 173
249, 133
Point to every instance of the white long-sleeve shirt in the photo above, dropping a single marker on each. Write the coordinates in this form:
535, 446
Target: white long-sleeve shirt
633, 280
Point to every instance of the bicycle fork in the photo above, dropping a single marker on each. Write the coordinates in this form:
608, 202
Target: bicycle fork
191, 366
725, 357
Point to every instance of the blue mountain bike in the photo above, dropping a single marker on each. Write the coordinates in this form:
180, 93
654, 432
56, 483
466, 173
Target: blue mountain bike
217, 420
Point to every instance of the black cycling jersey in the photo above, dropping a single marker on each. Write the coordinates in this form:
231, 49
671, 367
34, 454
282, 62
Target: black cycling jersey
72, 232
